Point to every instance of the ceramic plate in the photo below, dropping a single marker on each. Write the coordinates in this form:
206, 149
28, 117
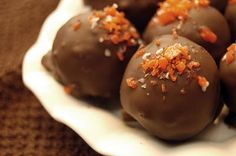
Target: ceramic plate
102, 127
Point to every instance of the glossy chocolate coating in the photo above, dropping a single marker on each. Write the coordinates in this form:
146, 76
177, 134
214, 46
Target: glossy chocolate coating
219, 4
228, 78
179, 116
139, 12
78, 60
230, 15
209, 17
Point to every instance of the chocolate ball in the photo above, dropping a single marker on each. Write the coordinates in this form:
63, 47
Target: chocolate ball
139, 12
198, 22
228, 77
171, 87
230, 15
219, 4
91, 51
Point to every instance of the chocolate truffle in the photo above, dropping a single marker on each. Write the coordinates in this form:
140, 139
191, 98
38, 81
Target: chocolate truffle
230, 15
91, 51
219, 4
197, 21
139, 12
228, 77
171, 87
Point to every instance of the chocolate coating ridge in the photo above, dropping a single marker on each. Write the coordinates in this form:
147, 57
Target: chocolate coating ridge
230, 15
171, 110
139, 12
190, 28
85, 60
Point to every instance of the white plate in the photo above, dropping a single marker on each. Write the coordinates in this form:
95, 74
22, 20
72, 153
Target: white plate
101, 127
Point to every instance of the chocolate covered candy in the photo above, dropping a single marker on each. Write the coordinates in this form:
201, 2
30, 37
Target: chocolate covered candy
90, 53
196, 21
171, 87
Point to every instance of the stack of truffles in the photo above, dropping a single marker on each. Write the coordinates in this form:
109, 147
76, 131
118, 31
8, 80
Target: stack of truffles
167, 72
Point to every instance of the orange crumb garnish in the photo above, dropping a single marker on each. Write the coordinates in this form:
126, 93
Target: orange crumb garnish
174, 59
163, 63
68, 89
207, 34
193, 64
203, 3
181, 67
158, 42
230, 55
203, 83
118, 28
76, 25
120, 56
171, 10
172, 62
174, 33
132, 83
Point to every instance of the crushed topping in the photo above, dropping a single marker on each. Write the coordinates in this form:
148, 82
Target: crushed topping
118, 30
171, 62
203, 83
120, 56
207, 34
230, 55
172, 10
232, 1
68, 89
158, 42
76, 25
132, 83
178, 10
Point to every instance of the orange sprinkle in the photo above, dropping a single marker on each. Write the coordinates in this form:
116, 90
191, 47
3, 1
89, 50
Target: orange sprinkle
174, 33
193, 64
230, 55
76, 25
207, 34
172, 74
120, 56
132, 83
232, 1
203, 3
171, 62
166, 18
203, 83
181, 66
68, 89
118, 29
171, 10
163, 62
158, 42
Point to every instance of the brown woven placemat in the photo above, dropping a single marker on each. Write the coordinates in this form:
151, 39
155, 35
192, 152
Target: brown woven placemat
26, 129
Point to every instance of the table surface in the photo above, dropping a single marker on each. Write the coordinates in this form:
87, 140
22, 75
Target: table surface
26, 128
